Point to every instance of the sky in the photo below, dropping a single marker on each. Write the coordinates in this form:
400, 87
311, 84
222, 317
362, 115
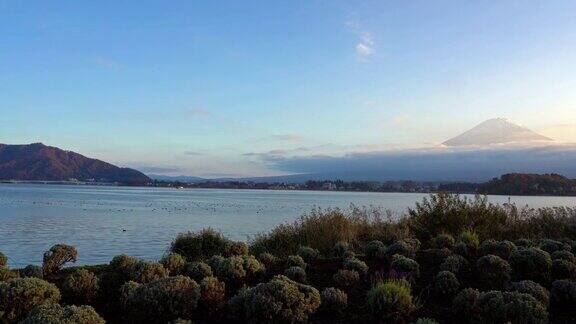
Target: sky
237, 88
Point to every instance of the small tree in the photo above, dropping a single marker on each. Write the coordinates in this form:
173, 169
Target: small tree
56, 257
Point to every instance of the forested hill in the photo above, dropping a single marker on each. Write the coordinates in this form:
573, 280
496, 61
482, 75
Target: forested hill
530, 184
38, 162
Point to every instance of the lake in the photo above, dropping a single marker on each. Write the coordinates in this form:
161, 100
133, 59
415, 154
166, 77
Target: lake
105, 221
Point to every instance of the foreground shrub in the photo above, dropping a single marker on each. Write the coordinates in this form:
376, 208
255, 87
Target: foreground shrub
375, 250
81, 287
390, 300
563, 297
296, 273
200, 245
425, 321
497, 307
295, 261
356, 264
238, 269
56, 257
198, 270
7, 274
456, 264
531, 264
32, 271
19, 296
403, 248
464, 303
145, 272
552, 246
452, 214
346, 278
562, 269
237, 248
493, 271
564, 255
443, 241
163, 300
308, 254
268, 259
280, 300
334, 301
502, 249
212, 295
3, 260
56, 314
342, 250
403, 267
531, 288
174, 263
445, 284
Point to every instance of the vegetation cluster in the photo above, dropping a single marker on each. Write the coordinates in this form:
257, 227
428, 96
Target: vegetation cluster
449, 260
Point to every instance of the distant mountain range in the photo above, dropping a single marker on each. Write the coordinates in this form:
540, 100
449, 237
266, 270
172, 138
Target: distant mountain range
38, 162
496, 131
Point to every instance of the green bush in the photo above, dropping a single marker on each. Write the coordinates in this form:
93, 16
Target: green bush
390, 300
280, 300
445, 284
426, 321
126, 291
123, 264
443, 241
456, 264
403, 267
493, 272
238, 269
81, 287
212, 295
498, 307
531, 288
56, 314
174, 263
32, 271
562, 269
356, 264
200, 245
163, 300
563, 297
237, 248
452, 214
19, 296
342, 250
198, 270
334, 301
564, 255
296, 273
552, 246
56, 257
401, 248
7, 274
375, 250
464, 303
346, 278
308, 254
268, 259
502, 249
525, 243
295, 261
531, 264
145, 272
3, 260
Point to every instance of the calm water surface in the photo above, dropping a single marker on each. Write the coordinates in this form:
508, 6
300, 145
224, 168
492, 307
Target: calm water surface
105, 221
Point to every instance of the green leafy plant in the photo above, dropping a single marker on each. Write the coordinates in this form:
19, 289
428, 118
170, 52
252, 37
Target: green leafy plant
200, 245
445, 284
346, 278
390, 300
296, 273
56, 314
531, 264
81, 287
493, 271
174, 263
56, 257
19, 296
198, 270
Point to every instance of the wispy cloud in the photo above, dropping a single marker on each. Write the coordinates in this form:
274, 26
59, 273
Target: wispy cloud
192, 153
198, 112
366, 46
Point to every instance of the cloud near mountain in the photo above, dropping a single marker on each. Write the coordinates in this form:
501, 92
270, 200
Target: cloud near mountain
441, 163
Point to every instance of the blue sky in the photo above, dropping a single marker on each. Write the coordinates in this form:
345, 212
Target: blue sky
215, 88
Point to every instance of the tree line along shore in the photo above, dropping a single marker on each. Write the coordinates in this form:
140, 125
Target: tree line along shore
448, 260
